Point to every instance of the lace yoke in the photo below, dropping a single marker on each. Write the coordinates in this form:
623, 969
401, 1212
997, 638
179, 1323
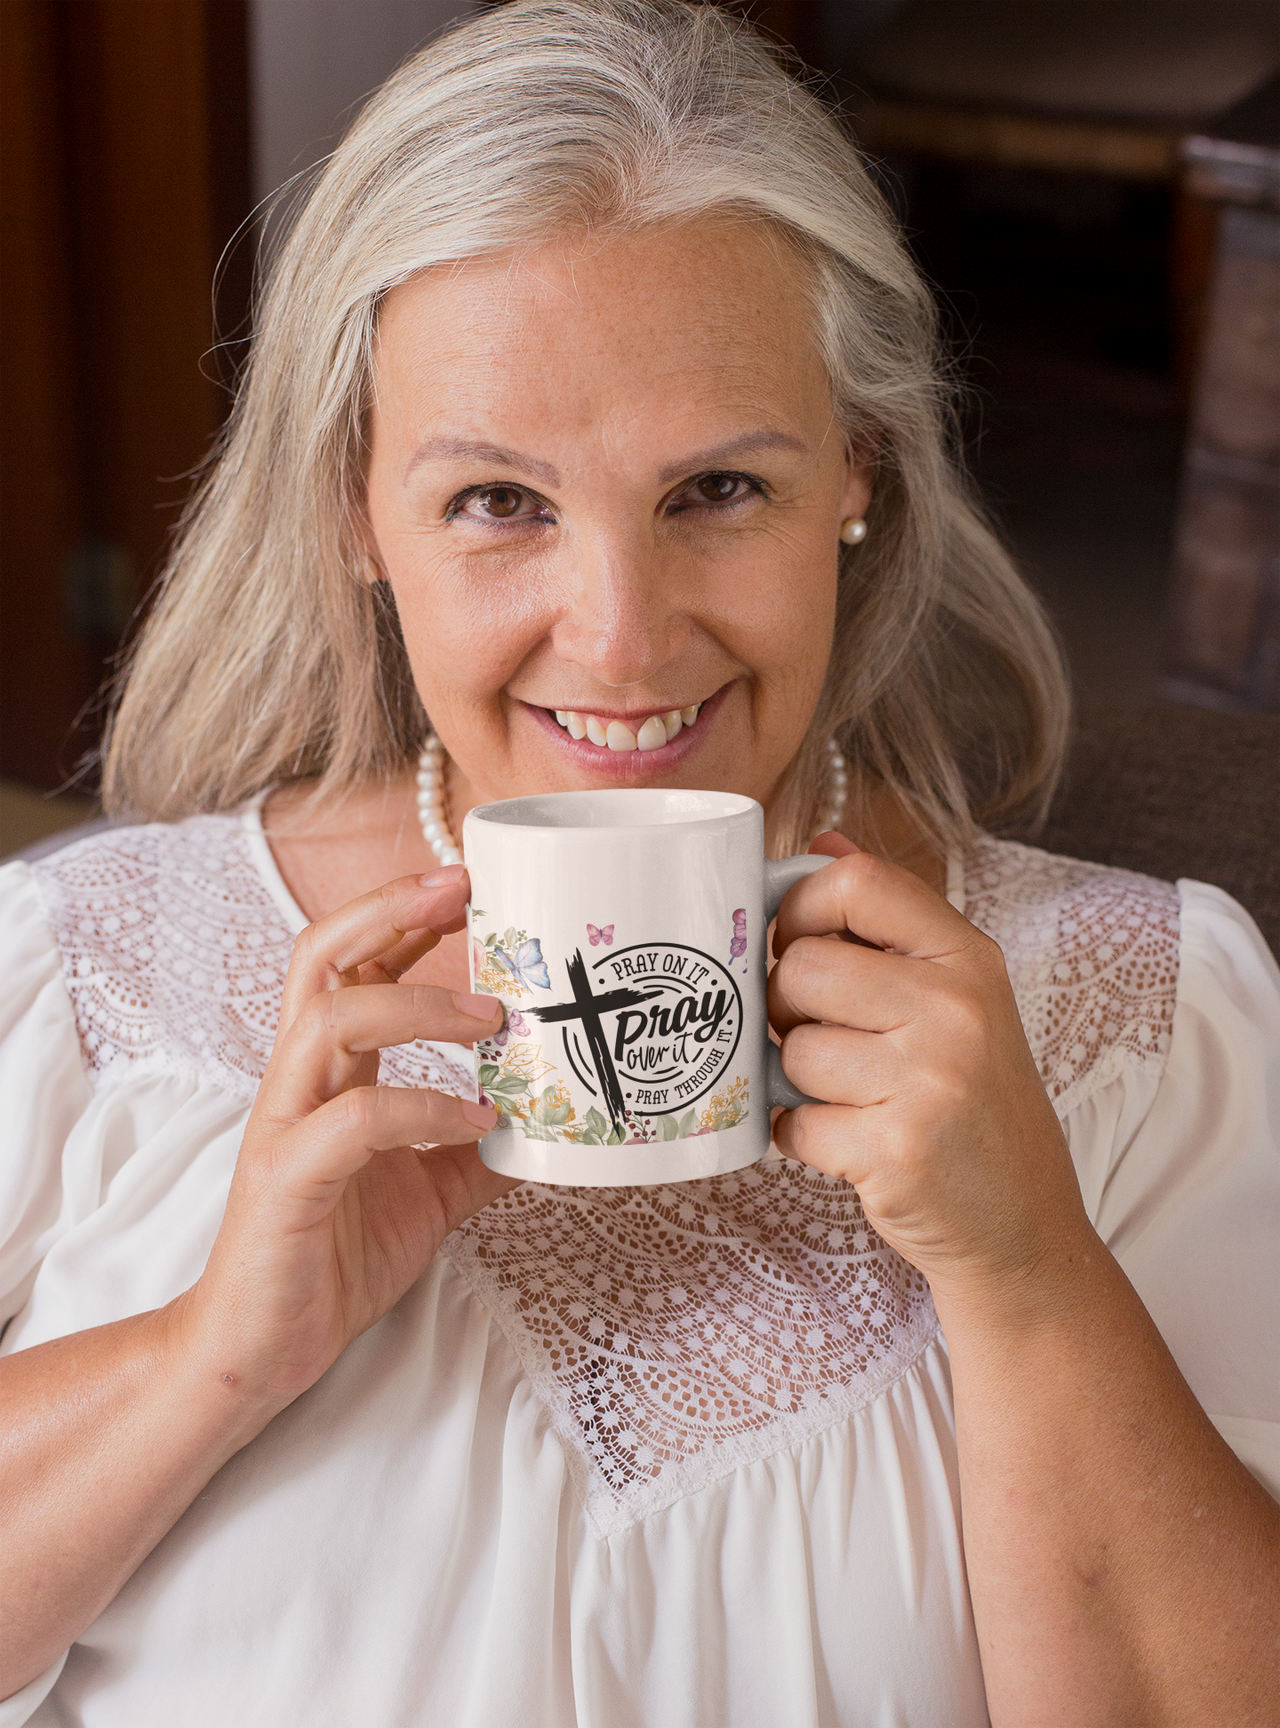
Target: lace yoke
672, 1334
174, 956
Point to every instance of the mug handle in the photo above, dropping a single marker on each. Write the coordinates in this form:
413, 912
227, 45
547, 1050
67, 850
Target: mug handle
783, 873
779, 875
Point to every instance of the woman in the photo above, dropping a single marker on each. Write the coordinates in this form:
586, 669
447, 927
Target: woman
593, 400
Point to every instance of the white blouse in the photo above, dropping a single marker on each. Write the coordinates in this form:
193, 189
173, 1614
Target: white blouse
672, 1457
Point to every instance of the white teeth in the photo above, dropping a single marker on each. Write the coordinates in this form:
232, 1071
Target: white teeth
657, 730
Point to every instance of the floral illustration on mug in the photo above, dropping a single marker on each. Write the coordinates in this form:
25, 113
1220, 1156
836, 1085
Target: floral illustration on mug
724, 1109
513, 1084
738, 946
508, 1068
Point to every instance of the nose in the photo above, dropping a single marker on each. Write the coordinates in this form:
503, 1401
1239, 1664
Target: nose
625, 608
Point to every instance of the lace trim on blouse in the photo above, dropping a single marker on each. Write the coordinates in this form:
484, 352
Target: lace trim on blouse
673, 1334
174, 955
1092, 954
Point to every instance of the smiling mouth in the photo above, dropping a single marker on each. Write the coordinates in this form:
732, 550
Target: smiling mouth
651, 734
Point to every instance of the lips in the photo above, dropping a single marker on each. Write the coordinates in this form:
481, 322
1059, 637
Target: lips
651, 733
624, 758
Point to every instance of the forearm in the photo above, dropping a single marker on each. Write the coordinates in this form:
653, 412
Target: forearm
1124, 1566
108, 1436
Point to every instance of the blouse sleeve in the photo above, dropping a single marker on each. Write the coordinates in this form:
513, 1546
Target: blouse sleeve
1182, 1178
43, 1092
43, 1086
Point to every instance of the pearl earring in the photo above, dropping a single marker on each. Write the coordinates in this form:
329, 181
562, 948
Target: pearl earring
853, 530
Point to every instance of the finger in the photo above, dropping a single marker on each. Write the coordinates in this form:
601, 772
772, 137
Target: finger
390, 967
338, 1139
329, 952
881, 902
839, 1065
829, 1137
319, 1054
831, 844
817, 979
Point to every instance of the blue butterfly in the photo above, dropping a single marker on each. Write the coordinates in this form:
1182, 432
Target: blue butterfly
526, 963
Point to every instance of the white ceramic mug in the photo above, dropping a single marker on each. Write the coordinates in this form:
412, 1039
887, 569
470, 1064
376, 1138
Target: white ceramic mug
624, 932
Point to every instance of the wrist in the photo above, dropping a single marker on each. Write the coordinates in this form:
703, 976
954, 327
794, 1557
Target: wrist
1041, 1291
230, 1399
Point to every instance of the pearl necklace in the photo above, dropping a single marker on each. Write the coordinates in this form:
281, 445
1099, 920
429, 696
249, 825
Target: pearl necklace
439, 836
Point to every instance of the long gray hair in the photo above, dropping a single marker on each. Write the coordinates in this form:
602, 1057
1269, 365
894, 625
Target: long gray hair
269, 654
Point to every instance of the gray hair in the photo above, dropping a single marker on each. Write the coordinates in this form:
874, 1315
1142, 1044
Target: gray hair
270, 655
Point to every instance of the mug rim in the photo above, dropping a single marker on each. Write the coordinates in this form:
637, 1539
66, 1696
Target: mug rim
523, 813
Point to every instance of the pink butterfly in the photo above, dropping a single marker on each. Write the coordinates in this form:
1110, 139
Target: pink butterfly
599, 936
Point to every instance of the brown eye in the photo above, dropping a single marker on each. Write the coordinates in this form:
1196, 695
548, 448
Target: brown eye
501, 500
717, 488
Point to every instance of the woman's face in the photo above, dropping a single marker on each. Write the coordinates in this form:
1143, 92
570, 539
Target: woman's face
605, 484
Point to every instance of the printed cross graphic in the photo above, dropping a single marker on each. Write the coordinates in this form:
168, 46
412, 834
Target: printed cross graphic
588, 1008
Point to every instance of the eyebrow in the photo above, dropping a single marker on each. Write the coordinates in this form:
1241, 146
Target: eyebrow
466, 450
745, 444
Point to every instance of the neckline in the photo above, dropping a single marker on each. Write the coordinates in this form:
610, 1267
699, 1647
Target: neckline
264, 862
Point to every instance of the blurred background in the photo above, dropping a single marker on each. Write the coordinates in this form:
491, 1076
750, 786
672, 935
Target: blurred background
1092, 186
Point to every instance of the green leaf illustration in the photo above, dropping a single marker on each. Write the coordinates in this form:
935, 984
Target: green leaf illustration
616, 1136
597, 1125
488, 1074
534, 1130
547, 1110
688, 1123
669, 1129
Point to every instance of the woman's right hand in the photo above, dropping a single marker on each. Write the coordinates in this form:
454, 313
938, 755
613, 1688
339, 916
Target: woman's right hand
338, 1202
336, 1206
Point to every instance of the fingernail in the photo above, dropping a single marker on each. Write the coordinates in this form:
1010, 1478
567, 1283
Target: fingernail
475, 1007
479, 1115
444, 878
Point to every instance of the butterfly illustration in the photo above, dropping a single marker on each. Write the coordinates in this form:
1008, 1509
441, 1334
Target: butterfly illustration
515, 1026
599, 936
526, 963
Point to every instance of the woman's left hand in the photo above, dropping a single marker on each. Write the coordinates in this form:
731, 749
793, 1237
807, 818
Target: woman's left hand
936, 1111
1121, 1560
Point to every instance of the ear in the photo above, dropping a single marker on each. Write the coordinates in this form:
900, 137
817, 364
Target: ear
859, 477
366, 546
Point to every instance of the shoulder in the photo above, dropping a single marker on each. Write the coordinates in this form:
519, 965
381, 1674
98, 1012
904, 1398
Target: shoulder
1228, 1012
173, 941
28, 950
170, 947
1093, 955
